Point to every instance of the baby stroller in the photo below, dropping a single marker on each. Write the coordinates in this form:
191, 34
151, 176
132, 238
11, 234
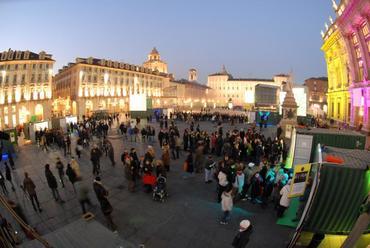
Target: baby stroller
160, 190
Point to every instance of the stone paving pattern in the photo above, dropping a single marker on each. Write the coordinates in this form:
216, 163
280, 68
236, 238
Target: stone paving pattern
189, 218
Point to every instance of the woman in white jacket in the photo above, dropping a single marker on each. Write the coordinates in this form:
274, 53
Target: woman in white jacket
226, 205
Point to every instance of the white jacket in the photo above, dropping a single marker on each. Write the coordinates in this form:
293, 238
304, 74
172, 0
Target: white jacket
222, 179
226, 201
284, 192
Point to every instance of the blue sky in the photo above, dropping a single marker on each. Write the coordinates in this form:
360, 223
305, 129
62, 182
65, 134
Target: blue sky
252, 38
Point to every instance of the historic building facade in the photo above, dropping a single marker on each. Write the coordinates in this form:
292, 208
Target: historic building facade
317, 88
26, 87
155, 63
352, 27
92, 84
246, 92
189, 94
338, 97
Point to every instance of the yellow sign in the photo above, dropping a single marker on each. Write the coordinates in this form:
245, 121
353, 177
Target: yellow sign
299, 180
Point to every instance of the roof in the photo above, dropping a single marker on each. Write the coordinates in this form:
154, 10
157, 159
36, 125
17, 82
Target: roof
353, 158
11, 55
184, 81
112, 64
154, 51
328, 131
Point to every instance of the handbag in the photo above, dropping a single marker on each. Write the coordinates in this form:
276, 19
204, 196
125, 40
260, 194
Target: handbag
185, 166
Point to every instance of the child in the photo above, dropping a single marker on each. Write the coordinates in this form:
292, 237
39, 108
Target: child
226, 204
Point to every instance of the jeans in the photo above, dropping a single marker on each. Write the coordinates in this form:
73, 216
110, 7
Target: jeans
83, 202
225, 216
55, 193
207, 175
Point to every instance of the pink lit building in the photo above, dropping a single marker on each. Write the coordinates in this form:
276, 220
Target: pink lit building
353, 21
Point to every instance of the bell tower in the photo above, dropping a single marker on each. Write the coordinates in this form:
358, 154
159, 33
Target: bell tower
193, 75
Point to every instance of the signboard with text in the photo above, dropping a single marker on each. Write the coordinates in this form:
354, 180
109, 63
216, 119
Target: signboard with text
299, 180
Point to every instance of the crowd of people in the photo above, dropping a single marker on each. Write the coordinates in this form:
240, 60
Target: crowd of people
244, 164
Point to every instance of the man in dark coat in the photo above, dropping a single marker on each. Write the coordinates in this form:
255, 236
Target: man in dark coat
106, 207
242, 238
52, 182
29, 187
95, 159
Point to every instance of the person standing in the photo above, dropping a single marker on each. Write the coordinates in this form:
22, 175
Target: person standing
226, 204
189, 164
242, 238
29, 186
76, 167
71, 176
166, 156
95, 159
106, 207
222, 183
52, 182
111, 154
210, 164
8, 175
284, 200
60, 168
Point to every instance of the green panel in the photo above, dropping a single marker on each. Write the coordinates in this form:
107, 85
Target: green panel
149, 103
335, 207
337, 140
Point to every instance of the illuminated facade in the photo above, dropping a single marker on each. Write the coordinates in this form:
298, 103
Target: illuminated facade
338, 97
247, 93
155, 63
351, 31
26, 87
317, 88
92, 84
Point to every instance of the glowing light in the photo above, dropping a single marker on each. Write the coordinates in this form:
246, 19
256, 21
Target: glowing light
248, 96
80, 92
138, 102
3, 73
92, 91
42, 94
18, 94
106, 77
86, 92
9, 98
81, 75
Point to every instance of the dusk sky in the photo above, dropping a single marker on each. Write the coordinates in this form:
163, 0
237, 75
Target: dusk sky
252, 38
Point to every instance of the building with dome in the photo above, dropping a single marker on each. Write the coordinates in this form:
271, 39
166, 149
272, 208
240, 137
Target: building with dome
155, 63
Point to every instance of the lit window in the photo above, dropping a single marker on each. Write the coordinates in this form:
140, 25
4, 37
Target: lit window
354, 39
365, 29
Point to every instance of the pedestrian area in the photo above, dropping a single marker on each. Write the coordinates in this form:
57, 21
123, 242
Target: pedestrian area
189, 218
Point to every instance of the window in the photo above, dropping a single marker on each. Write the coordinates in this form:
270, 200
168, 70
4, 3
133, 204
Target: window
46, 77
1, 80
32, 78
39, 78
34, 66
358, 52
24, 66
354, 39
6, 79
23, 78
15, 79
40, 66
16, 66
365, 29
47, 66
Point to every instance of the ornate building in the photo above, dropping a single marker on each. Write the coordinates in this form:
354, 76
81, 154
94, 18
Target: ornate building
26, 87
317, 88
248, 93
352, 26
189, 94
155, 63
92, 84
338, 97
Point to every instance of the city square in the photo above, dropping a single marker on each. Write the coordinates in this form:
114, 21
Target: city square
102, 147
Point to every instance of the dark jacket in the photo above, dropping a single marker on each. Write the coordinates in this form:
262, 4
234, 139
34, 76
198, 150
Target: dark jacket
71, 174
50, 178
242, 238
102, 194
29, 186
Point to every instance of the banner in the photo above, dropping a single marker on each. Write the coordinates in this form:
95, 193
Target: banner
299, 180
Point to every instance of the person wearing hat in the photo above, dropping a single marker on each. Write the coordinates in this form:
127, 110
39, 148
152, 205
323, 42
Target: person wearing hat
242, 238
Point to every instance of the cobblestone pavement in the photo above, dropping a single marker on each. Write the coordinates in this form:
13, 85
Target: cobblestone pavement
189, 217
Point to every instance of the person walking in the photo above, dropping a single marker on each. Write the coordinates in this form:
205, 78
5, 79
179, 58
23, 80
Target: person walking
82, 195
226, 204
189, 164
106, 207
111, 154
95, 159
52, 182
76, 167
166, 156
71, 176
60, 168
242, 238
222, 183
30, 187
2, 184
8, 175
